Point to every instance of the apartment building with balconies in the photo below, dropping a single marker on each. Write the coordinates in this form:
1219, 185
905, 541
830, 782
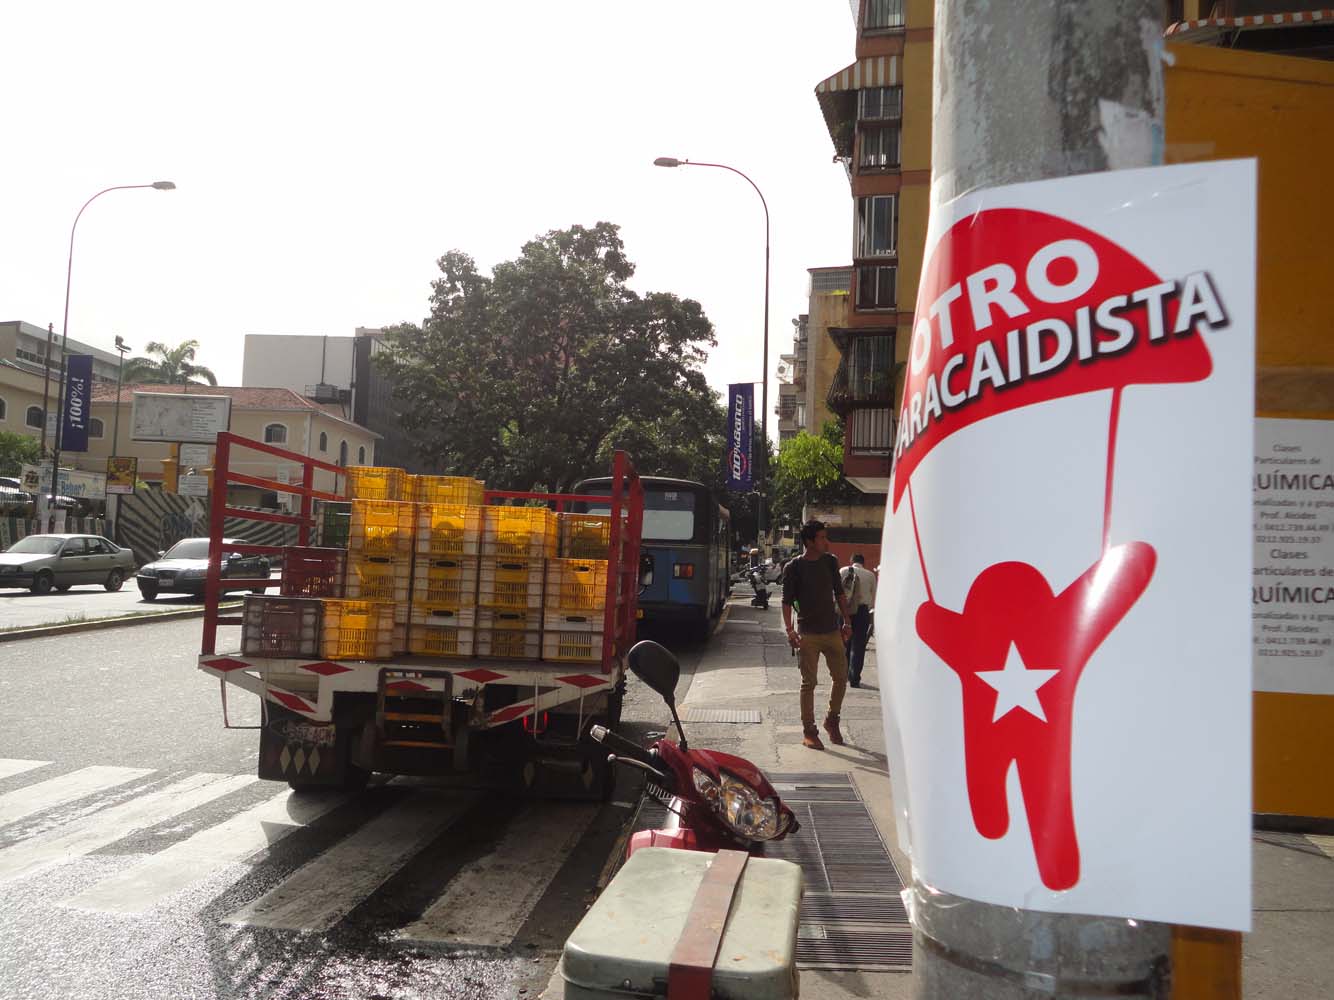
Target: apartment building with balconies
878, 112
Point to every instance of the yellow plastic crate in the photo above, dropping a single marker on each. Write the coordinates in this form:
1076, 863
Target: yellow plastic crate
370, 482
441, 640
446, 582
448, 529
509, 583
572, 647
357, 630
507, 644
585, 536
381, 528
576, 585
455, 490
376, 578
526, 532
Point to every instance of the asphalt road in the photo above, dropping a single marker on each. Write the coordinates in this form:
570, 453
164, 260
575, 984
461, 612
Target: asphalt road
24, 609
139, 856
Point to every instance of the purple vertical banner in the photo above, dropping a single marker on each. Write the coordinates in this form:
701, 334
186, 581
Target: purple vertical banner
77, 409
740, 428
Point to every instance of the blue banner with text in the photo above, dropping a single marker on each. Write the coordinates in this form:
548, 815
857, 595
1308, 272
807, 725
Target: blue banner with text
77, 409
740, 428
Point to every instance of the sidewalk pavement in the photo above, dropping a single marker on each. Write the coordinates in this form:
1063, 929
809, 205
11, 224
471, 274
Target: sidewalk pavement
1289, 954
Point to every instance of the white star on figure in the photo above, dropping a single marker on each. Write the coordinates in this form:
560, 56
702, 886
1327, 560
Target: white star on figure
1017, 686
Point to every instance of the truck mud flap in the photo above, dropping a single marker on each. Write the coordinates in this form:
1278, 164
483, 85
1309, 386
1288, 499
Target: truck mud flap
294, 749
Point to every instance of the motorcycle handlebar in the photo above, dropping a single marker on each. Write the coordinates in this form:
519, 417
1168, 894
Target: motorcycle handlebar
620, 745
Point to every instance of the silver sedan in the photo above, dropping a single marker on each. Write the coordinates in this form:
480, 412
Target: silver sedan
43, 562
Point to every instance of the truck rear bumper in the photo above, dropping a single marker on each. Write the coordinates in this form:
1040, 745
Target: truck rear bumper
307, 687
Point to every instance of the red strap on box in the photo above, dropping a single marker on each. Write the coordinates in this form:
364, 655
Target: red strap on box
690, 973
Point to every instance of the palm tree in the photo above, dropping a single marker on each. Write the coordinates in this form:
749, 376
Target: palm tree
172, 366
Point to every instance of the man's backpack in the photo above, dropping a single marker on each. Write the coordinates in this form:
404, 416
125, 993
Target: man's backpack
849, 581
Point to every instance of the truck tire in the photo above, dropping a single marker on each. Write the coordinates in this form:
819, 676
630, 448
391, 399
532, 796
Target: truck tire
354, 780
42, 583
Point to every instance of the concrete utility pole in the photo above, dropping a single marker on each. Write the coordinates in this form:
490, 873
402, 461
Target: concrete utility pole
1026, 90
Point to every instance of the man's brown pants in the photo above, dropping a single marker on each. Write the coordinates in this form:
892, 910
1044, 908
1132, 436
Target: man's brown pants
808, 659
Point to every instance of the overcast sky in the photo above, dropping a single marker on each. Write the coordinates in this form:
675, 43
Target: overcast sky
328, 153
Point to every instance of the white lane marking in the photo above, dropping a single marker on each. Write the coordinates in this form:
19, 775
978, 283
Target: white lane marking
10, 766
66, 788
1323, 843
83, 836
326, 889
488, 901
193, 859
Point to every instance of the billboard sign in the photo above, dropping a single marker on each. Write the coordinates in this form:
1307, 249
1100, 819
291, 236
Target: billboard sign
77, 407
70, 483
1068, 546
740, 430
179, 417
122, 474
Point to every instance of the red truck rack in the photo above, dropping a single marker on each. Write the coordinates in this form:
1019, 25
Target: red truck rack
334, 721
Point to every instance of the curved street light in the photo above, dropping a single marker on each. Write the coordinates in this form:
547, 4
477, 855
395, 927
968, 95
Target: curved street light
64, 336
672, 161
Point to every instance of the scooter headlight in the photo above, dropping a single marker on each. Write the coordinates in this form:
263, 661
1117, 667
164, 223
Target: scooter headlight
707, 788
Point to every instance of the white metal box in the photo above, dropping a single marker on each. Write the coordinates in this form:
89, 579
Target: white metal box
623, 946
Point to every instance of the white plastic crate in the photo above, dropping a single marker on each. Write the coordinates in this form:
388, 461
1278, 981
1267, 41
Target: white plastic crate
281, 627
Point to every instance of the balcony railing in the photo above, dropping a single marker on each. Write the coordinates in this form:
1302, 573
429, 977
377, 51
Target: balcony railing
870, 432
786, 408
866, 374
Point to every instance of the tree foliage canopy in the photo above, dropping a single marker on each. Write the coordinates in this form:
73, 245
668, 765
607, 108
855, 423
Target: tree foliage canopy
810, 470
17, 450
532, 376
171, 366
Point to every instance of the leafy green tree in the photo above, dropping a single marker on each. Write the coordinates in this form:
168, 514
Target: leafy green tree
810, 470
17, 450
171, 366
532, 376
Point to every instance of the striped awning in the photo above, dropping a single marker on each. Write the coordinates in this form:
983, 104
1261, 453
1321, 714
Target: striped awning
877, 71
1210, 28
838, 96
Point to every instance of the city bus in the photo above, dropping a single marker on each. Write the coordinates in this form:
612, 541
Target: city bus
686, 550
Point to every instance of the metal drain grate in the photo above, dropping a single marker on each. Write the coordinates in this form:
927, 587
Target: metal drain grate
866, 951
722, 715
852, 917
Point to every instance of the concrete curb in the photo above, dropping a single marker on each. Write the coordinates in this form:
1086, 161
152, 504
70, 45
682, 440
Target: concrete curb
45, 631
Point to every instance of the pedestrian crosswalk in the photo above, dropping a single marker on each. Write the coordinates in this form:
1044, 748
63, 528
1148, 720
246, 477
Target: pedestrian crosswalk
219, 828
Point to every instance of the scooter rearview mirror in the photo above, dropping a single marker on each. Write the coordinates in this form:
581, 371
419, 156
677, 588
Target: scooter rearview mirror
655, 665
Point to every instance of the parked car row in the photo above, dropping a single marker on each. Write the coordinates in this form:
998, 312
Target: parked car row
42, 563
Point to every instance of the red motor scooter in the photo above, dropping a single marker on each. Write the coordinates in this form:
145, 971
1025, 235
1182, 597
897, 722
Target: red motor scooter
716, 801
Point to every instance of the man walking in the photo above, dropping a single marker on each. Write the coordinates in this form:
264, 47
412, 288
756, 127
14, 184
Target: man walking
859, 584
811, 581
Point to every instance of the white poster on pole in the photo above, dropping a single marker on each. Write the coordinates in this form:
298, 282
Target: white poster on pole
1293, 592
1063, 607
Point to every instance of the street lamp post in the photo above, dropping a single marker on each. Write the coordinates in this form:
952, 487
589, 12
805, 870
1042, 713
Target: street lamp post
64, 334
121, 347
763, 463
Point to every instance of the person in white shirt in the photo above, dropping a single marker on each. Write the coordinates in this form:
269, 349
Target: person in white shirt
859, 584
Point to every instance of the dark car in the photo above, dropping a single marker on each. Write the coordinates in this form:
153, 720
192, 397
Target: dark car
181, 569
